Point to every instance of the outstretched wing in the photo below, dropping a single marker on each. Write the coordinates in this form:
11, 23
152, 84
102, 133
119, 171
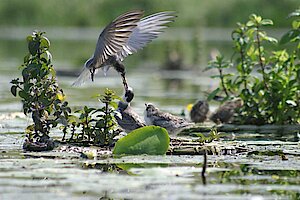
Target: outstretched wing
115, 36
146, 30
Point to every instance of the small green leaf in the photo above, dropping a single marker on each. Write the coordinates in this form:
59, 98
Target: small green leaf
33, 47
296, 24
290, 35
45, 42
29, 38
266, 22
250, 23
296, 13
23, 94
113, 104
292, 103
213, 94
13, 90
26, 58
151, 140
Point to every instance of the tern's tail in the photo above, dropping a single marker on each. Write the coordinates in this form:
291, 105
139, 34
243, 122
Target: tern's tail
83, 77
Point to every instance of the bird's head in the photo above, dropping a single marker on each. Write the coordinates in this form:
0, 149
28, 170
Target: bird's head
128, 96
150, 108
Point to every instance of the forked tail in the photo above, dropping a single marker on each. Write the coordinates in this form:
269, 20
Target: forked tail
83, 77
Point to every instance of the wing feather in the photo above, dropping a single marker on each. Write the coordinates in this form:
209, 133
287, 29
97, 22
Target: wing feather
146, 30
115, 36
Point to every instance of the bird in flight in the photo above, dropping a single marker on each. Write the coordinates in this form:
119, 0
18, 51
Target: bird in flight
123, 36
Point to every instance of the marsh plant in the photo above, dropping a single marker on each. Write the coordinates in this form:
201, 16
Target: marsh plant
38, 89
267, 81
44, 100
96, 126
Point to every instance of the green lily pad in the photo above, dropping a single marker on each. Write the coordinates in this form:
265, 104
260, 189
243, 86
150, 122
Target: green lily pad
151, 140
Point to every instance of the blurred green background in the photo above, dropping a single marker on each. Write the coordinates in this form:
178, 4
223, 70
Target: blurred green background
73, 27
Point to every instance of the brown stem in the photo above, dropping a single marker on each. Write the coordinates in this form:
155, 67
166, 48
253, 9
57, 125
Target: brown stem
203, 173
262, 66
243, 64
222, 82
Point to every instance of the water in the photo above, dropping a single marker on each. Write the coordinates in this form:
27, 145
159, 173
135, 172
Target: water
260, 173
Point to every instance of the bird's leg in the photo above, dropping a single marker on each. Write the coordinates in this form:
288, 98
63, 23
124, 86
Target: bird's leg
124, 81
121, 69
92, 71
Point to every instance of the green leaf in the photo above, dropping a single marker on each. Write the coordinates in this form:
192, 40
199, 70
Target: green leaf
290, 35
23, 94
13, 90
270, 39
26, 58
45, 42
266, 22
296, 13
250, 23
213, 94
296, 24
152, 140
113, 104
29, 38
291, 102
33, 47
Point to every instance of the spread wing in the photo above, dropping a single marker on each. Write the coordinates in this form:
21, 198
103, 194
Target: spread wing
115, 36
146, 30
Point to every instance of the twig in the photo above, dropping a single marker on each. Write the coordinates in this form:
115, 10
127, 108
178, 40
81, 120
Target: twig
203, 173
260, 58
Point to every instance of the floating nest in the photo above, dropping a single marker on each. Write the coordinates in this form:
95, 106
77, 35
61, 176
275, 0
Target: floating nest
184, 146
232, 128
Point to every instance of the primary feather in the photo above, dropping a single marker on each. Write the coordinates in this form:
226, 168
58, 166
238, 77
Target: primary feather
125, 35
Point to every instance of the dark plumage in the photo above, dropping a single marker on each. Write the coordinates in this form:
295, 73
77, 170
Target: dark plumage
129, 119
225, 113
199, 111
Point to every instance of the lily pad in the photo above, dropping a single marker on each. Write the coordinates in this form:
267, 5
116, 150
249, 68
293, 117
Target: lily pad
151, 140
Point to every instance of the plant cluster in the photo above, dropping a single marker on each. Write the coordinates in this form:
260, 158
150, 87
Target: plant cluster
38, 89
45, 101
93, 125
268, 81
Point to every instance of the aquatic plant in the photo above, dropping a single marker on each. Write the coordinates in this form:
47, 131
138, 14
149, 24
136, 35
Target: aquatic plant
151, 140
97, 126
38, 89
45, 101
268, 81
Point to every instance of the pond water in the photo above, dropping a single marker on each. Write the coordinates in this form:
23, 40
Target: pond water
261, 173
270, 169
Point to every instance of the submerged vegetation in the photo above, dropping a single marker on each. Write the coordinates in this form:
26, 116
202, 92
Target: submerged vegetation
268, 82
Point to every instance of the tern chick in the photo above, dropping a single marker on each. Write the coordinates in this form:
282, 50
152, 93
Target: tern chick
225, 113
128, 119
199, 111
173, 124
